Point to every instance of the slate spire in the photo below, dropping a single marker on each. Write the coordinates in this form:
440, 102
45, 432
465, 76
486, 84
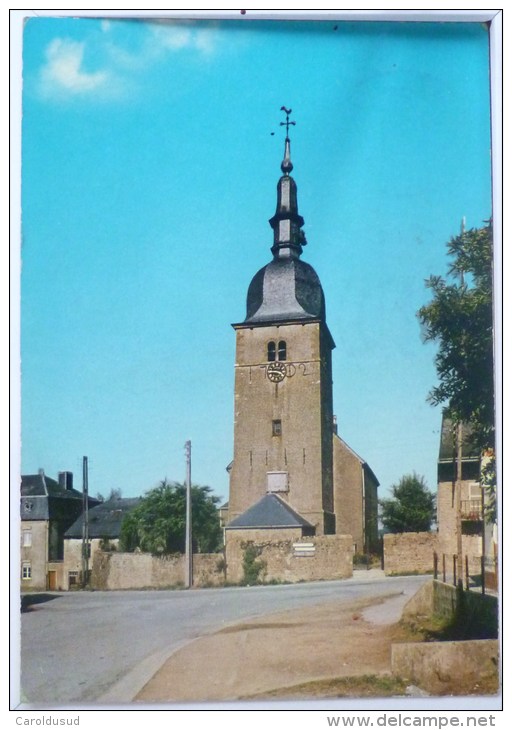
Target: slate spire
287, 223
287, 289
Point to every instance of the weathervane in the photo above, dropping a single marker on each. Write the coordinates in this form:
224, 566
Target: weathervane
287, 123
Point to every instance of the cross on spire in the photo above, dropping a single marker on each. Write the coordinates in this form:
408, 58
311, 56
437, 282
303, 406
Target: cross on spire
286, 124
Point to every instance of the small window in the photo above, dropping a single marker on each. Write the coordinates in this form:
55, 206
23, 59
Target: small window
73, 578
26, 571
276, 427
281, 350
271, 351
27, 538
475, 491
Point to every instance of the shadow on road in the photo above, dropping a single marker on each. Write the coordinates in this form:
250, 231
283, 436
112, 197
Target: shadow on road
28, 600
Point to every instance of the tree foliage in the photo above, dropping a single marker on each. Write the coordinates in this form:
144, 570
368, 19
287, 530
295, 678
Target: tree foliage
459, 318
412, 508
115, 493
157, 524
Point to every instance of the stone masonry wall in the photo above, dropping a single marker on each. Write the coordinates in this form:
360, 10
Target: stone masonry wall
470, 607
439, 665
209, 569
436, 665
136, 571
302, 401
348, 493
73, 556
35, 555
284, 560
122, 571
409, 552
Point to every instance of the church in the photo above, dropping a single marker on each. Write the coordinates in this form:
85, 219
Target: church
291, 472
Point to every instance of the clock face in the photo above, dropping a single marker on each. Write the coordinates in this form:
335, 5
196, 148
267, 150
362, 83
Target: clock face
276, 371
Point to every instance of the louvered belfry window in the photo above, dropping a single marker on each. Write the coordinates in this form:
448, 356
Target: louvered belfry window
276, 353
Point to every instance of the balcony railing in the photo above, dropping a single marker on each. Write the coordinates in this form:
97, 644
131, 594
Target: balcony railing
481, 578
471, 509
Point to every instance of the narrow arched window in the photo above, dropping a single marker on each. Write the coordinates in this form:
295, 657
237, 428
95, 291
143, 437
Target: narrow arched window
281, 350
271, 351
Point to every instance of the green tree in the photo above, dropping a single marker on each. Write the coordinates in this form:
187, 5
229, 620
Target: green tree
412, 508
115, 493
460, 320
157, 524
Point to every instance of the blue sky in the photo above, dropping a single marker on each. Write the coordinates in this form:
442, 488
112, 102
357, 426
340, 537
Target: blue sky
149, 173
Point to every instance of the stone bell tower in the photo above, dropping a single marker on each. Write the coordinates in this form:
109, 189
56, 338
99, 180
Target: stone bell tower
283, 437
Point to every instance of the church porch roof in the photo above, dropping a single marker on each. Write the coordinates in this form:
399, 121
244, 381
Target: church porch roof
269, 512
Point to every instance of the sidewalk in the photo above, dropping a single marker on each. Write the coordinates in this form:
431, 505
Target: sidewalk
364, 574
252, 659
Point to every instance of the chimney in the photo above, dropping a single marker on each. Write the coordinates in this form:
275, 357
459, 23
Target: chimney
335, 425
66, 480
42, 475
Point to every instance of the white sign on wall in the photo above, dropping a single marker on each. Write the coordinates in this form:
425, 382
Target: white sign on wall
277, 481
304, 549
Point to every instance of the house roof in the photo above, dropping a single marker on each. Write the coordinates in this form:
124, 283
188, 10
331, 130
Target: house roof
448, 442
269, 512
43, 498
104, 519
39, 485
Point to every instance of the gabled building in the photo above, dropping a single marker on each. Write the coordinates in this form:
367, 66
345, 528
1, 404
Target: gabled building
355, 497
103, 529
47, 509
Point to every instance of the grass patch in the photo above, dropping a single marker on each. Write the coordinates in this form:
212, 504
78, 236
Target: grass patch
406, 573
422, 628
438, 628
367, 685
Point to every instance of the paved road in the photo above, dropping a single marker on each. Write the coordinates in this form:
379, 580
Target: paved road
100, 647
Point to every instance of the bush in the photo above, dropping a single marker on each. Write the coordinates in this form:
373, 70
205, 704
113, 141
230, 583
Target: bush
251, 565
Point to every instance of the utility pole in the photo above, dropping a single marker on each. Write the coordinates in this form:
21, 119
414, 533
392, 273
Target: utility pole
188, 518
458, 497
85, 523
458, 491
